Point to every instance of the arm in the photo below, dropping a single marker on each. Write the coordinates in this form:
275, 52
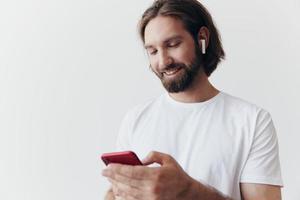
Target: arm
252, 191
203, 192
261, 176
249, 191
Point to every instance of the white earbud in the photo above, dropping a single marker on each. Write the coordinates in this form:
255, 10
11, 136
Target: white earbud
203, 46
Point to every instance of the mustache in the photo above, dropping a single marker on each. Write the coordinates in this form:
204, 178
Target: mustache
173, 66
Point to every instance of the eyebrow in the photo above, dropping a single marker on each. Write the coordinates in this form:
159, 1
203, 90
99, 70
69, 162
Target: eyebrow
176, 37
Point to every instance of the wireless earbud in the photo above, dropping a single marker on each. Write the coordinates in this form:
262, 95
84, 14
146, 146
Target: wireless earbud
203, 46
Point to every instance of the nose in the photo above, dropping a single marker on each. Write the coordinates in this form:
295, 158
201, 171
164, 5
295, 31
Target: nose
164, 59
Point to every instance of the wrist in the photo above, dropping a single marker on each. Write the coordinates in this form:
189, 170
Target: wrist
192, 190
197, 190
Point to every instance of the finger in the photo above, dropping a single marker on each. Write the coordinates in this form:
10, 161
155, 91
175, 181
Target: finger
128, 197
157, 157
127, 181
132, 172
115, 190
126, 191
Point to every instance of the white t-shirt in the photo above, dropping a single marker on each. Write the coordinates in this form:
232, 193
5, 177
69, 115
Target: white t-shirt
221, 142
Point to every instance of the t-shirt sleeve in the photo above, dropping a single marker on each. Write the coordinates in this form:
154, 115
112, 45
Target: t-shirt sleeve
263, 165
123, 139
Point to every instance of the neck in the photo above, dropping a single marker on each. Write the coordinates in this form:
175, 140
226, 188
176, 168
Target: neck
201, 90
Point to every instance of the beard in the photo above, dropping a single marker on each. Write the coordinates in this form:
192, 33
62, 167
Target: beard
184, 78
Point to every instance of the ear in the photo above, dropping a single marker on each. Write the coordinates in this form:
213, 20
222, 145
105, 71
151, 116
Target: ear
203, 34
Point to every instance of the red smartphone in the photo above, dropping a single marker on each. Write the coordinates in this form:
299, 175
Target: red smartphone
123, 157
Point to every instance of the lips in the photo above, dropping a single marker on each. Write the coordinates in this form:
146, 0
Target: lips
172, 72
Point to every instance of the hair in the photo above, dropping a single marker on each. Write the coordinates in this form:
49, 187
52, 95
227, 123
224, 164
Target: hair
193, 15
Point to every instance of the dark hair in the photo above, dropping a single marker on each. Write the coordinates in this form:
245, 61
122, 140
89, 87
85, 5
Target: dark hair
193, 16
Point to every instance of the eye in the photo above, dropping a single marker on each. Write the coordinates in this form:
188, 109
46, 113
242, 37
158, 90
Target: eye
174, 44
152, 52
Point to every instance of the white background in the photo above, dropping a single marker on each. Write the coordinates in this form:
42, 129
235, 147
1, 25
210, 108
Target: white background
69, 70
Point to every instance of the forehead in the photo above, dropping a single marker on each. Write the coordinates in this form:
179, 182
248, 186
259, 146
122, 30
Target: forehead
162, 28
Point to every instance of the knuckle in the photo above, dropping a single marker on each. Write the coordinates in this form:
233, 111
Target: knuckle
132, 172
116, 191
138, 172
159, 175
134, 175
133, 193
155, 189
129, 194
118, 177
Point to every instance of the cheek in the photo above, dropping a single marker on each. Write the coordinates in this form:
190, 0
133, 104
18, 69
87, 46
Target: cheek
185, 55
153, 64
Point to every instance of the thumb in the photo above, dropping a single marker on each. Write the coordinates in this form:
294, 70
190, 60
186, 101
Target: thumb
157, 157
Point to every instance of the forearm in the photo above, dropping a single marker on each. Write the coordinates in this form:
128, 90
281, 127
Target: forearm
109, 195
202, 192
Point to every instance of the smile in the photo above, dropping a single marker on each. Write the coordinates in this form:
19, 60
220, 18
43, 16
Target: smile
172, 71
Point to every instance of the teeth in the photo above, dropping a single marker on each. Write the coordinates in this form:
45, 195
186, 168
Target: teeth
171, 72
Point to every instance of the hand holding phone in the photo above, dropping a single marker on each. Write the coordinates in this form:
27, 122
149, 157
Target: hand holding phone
123, 157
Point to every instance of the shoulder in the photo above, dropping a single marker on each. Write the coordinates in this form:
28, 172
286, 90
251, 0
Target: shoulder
240, 106
245, 114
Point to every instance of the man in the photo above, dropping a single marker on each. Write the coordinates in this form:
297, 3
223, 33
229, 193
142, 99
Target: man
209, 145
